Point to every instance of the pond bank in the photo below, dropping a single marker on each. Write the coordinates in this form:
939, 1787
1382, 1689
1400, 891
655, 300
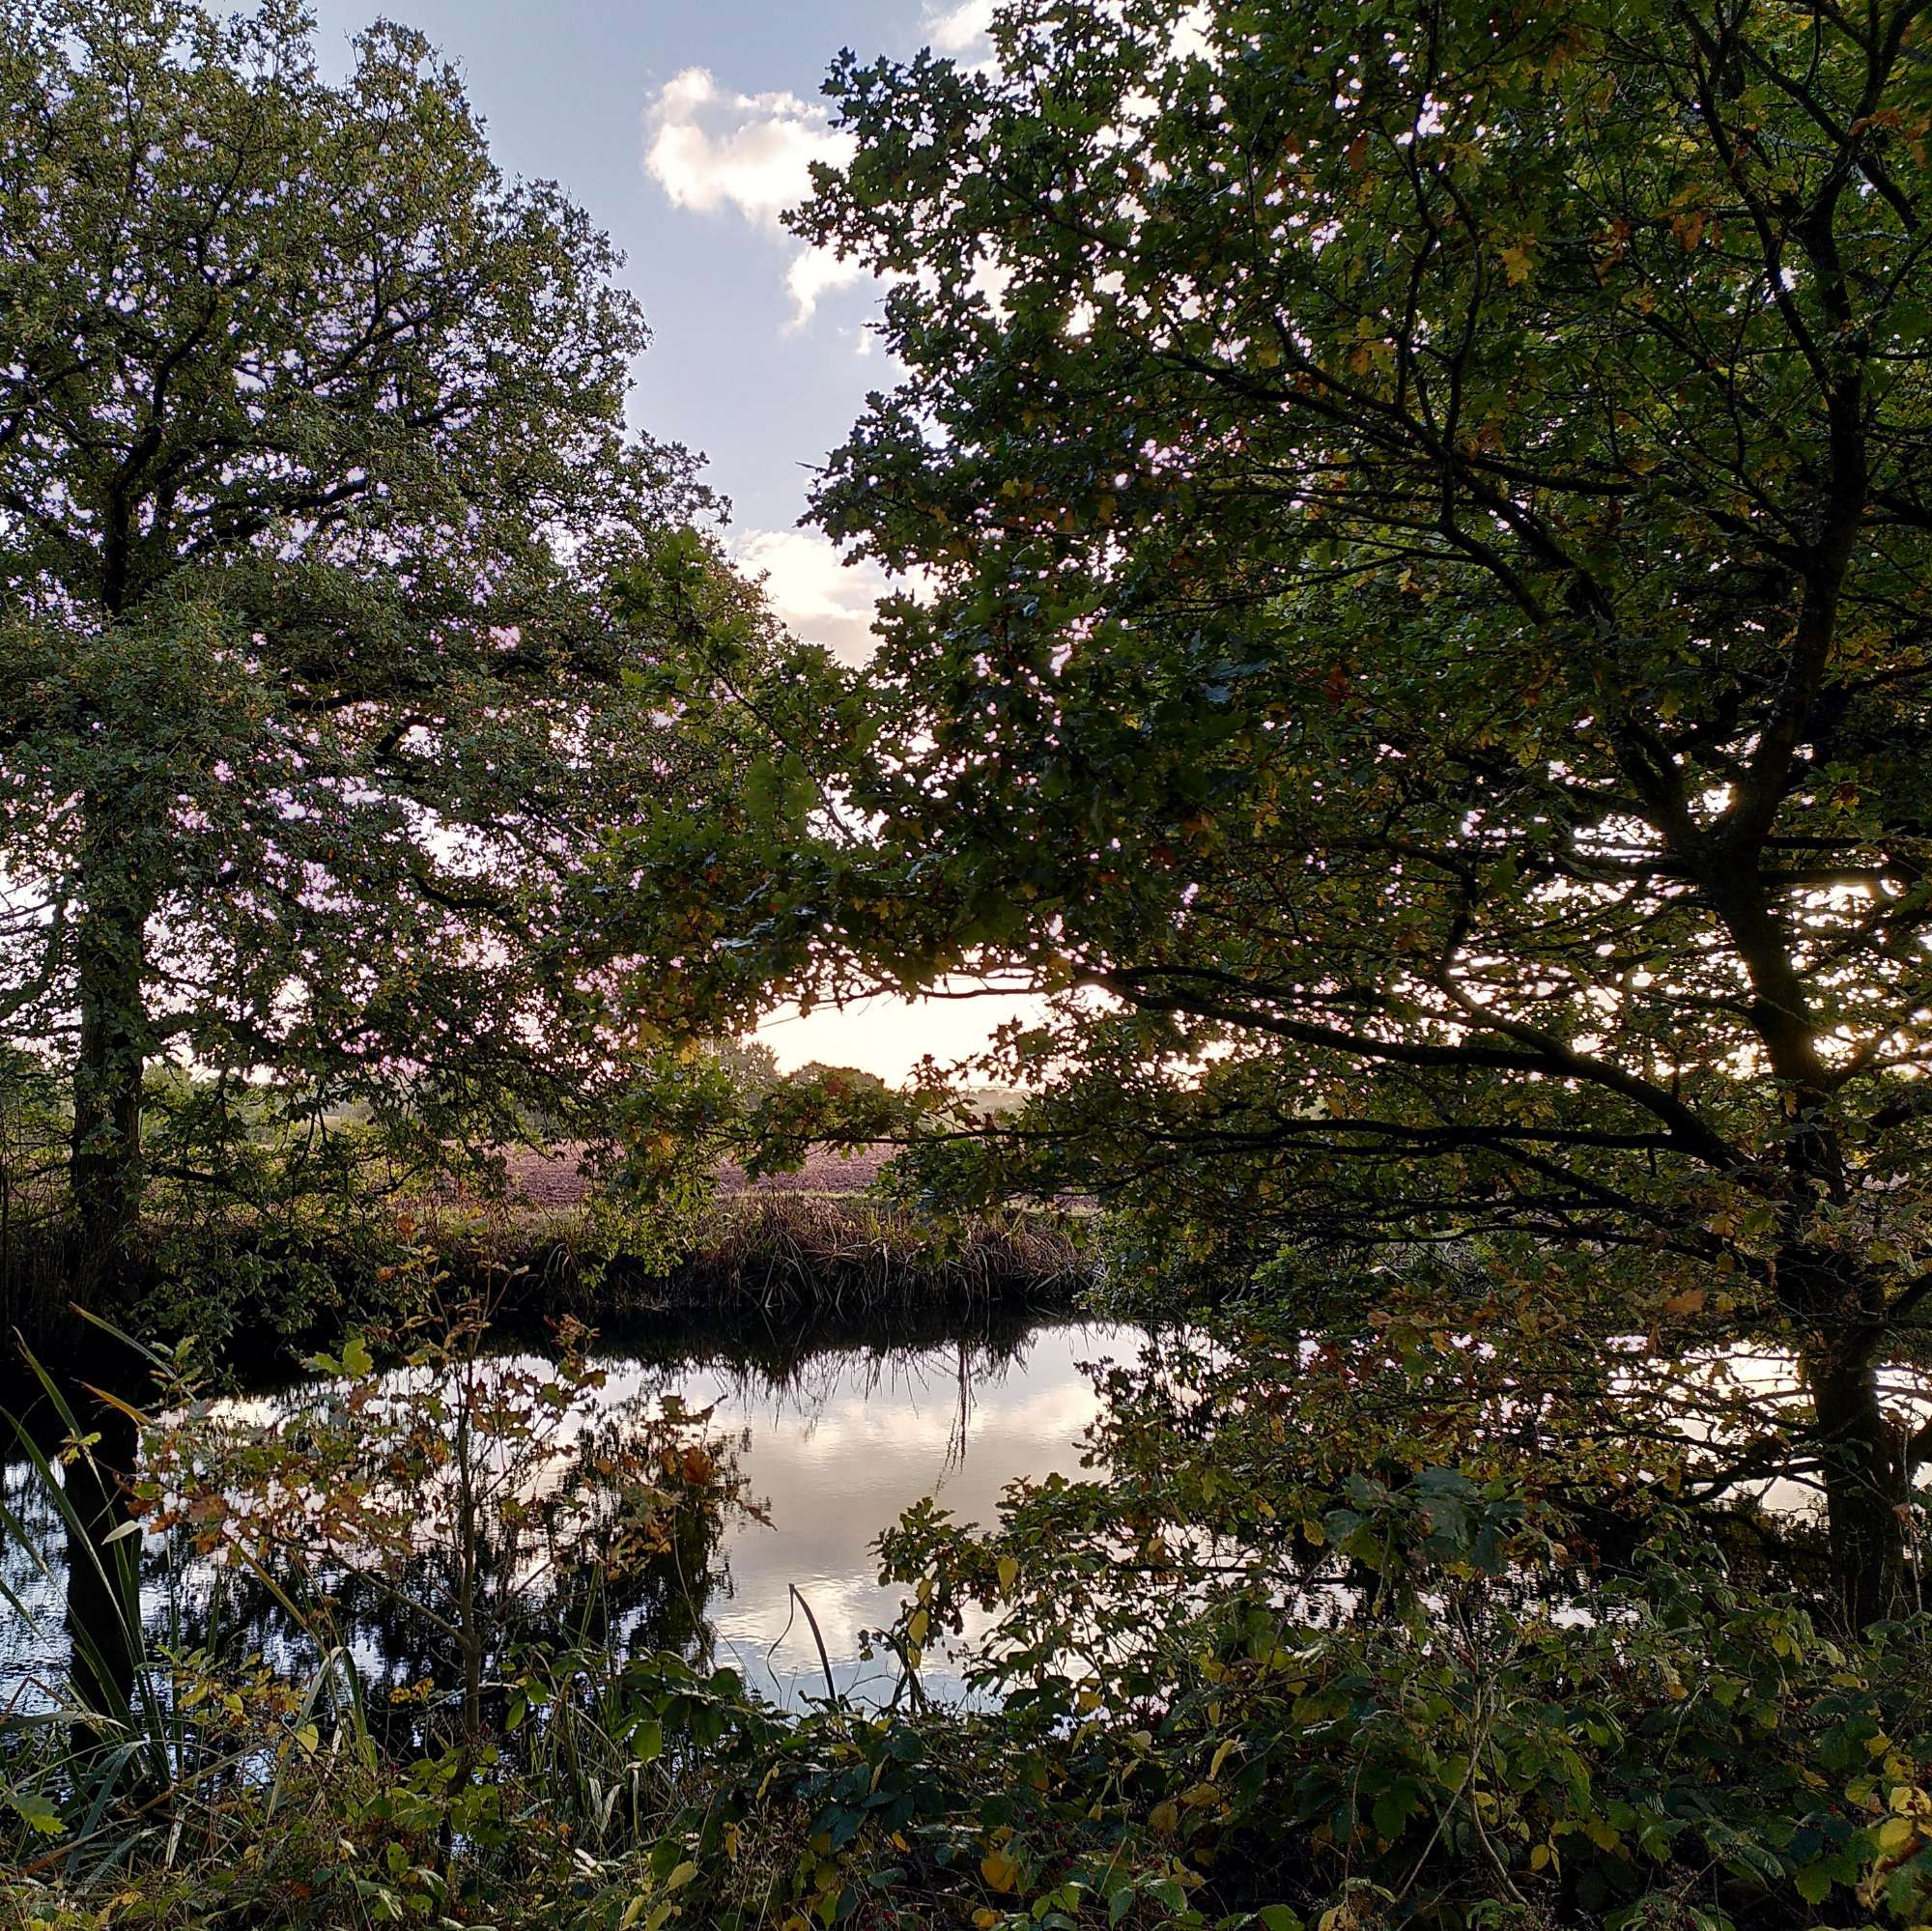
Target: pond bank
769, 1252
259, 1300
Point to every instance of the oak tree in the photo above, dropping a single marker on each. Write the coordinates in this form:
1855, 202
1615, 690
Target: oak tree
323, 548
1426, 505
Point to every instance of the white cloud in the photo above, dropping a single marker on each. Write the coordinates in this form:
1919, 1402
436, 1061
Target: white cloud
956, 28
826, 601
713, 151
817, 272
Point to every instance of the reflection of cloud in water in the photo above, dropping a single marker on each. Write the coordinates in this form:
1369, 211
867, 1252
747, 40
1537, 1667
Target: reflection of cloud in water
839, 1459
837, 1449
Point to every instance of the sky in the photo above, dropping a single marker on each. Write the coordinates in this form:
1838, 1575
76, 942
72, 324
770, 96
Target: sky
684, 127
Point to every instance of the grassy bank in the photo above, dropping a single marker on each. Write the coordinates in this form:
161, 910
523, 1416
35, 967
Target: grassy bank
773, 1253
260, 1295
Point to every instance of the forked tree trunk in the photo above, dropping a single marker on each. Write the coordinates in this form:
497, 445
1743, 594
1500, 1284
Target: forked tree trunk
110, 959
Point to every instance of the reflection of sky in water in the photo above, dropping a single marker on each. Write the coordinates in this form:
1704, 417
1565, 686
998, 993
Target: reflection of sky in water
838, 1457
835, 1453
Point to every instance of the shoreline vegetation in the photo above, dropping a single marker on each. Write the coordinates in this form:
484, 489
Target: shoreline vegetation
771, 1252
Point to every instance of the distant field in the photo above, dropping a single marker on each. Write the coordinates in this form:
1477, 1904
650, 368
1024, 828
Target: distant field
557, 1179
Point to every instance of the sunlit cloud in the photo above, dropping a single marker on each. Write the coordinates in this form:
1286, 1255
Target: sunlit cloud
818, 596
715, 150
818, 272
960, 28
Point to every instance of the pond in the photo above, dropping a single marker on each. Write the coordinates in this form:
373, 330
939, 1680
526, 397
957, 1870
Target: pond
831, 1439
827, 1439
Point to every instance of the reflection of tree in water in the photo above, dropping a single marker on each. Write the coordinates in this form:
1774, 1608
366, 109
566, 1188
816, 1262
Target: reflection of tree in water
801, 1369
583, 1603
448, 1522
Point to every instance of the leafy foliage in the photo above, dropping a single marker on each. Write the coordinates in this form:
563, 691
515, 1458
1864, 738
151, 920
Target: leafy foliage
1428, 660
333, 628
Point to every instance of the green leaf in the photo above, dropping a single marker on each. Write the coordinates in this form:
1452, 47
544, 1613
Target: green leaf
38, 1812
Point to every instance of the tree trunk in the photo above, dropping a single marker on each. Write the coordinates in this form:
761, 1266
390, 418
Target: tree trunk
1864, 1480
111, 961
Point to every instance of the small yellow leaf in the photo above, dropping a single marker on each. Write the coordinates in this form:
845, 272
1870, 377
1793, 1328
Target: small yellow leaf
999, 1870
1010, 1574
1895, 1832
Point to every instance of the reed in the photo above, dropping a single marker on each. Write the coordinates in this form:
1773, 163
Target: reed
787, 1253
260, 1297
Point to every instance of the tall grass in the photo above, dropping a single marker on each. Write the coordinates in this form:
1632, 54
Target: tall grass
780, 1251
261, 1299
139, 1747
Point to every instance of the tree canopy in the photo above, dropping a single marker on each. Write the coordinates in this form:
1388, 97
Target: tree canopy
333, 592
1428, 656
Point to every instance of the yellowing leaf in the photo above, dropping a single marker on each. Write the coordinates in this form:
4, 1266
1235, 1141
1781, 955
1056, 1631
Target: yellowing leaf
999, 1870
1895, 1833
38, 1812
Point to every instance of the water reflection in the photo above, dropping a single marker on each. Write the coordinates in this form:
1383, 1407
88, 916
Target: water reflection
837, 1451
832, 1441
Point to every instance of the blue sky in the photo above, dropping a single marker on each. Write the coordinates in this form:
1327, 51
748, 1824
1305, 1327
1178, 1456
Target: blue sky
684, 126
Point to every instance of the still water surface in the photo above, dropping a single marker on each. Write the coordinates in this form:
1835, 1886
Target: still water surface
836, 1456
834, 1444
